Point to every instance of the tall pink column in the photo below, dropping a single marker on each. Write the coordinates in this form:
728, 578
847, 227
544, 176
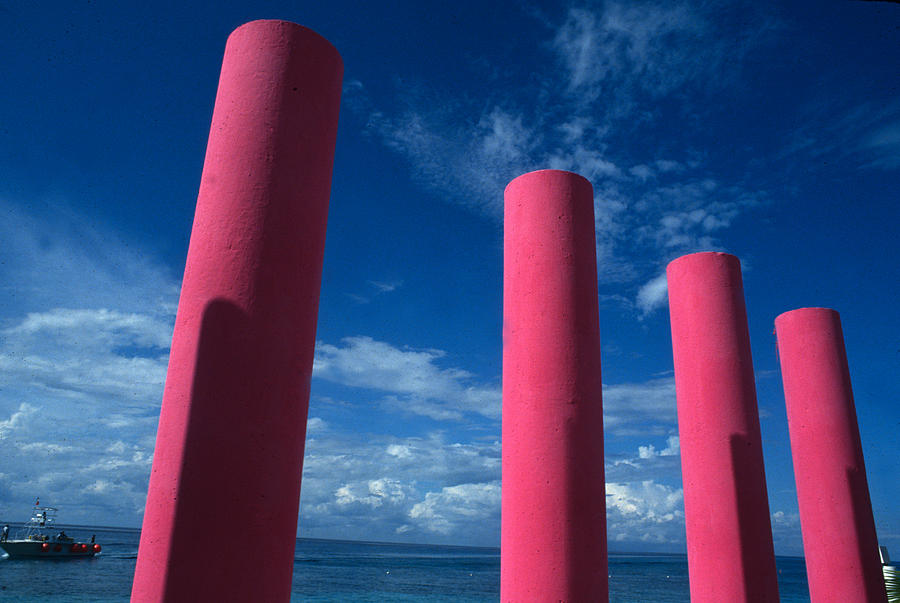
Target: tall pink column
729, 532
839, 541
553, 534
221, 515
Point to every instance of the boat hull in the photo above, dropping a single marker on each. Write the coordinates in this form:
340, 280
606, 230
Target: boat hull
29, 549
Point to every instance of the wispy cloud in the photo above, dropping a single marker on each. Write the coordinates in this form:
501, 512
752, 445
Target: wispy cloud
620, 63
646, 408
865, 134
65, 261
469, 162
380, 288
633, 47
386, 286
884, 144
653, 294
412, 379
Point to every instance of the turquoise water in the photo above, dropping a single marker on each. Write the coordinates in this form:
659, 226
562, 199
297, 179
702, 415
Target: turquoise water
342, 571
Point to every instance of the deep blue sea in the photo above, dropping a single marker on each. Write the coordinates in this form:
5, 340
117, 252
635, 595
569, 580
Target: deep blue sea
333, 570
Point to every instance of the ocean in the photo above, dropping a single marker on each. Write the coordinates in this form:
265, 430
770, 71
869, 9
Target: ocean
345, 571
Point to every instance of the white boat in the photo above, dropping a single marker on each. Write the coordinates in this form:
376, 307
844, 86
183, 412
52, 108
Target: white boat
37, 540
891, 576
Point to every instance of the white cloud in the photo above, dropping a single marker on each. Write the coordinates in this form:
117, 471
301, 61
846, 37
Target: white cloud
866, 134
386, 286
884, 143
110, 328
691, 211
315, 425
412, 378
786, 532
443, 512
618, 60
45, 448
401, 452
662, 465
468, 161
86, 333
65, 260
642, 172
16, 420
672, 449
647, 408
80, 355
357, 484
785, 520
653, 48
373, 493
644, 511
652, 295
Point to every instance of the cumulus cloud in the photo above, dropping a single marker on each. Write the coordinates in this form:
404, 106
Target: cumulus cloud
786, 532
420, 488
373, 493
83, 355
644, 511
672, 449
444, 512
662, 465
16, 420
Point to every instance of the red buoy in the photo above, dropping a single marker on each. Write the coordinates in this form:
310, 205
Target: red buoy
96, 548
45, 547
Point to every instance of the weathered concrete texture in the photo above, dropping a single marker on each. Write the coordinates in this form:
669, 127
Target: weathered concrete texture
729, 535
553, 535
229, 449
839, 540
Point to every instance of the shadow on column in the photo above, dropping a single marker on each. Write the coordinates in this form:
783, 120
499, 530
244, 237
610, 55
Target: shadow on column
755, 528
232, 482
864, 522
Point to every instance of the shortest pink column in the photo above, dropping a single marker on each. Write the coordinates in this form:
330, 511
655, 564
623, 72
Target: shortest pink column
839, 538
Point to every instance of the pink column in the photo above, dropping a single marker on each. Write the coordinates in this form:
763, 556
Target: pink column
221, 515
553, 535
729, 533
839, 540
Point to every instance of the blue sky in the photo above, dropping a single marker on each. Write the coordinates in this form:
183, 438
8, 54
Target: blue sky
771, 132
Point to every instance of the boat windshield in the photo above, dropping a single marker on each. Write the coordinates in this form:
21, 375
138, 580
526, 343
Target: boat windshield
42, 518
